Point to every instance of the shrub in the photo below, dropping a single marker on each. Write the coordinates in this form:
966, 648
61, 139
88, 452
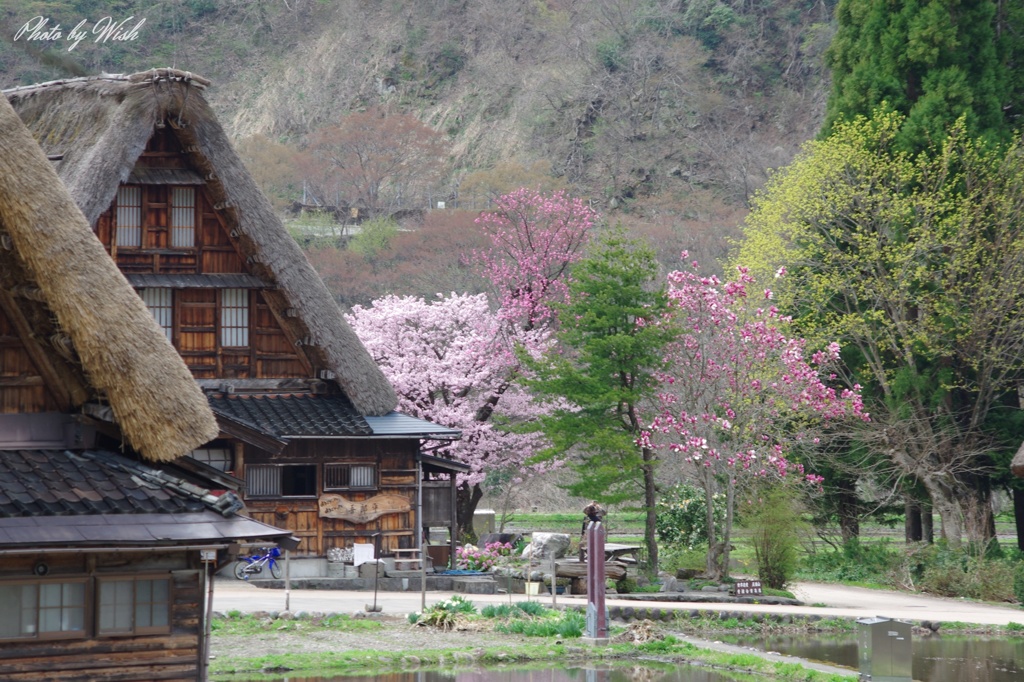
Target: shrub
445, 614
682, 516
776, 525
1018, 583
472, 558
958, 572
854, 562
567, 624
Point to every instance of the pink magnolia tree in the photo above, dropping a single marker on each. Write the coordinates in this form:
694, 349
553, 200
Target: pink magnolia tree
740, 393
534, 239
452, 363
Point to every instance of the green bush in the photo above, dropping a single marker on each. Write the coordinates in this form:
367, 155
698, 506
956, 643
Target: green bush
776, 536
958, 572
567, 624
682, 516
854, 562
1018, 582
444, 615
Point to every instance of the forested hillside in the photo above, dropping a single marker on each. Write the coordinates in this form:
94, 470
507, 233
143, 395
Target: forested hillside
666, 114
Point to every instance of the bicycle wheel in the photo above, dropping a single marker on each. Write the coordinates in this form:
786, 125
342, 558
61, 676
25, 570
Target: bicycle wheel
275, 569
240, 567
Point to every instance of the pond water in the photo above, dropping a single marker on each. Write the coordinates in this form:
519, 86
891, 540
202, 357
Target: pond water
626, 673
936, 658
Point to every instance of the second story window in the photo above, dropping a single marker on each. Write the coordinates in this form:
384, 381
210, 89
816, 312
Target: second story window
129, 216
234, 318
183, 217
160, 303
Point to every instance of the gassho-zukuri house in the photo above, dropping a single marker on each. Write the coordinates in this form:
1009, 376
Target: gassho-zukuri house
106, 548
307, 430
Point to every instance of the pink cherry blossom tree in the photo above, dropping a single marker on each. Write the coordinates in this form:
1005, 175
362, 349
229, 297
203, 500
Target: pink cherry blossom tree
740, 392
535, 238
452, 363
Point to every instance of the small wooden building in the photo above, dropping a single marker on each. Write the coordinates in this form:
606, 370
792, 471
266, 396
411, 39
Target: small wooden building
306, 418
104, 559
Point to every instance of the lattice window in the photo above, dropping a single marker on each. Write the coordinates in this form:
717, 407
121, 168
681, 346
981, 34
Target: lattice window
134, 605
183, 217
348, 476
234, 318
47, 610
290, 480
161, 303
129, 216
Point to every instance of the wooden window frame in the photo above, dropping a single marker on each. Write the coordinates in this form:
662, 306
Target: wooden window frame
37, 634
135, 630
174, 211
224, 329
332, 471
170, 308
140, 227
250, 474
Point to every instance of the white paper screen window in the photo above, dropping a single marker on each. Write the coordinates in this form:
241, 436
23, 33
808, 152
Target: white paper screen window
160, 303
183, 217
129, 216
234, 318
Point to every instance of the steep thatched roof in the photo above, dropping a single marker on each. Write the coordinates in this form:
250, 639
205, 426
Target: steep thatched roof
99, 126
51, 260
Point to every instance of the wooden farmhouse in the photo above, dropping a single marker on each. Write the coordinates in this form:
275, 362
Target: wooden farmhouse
106, 549
307, 426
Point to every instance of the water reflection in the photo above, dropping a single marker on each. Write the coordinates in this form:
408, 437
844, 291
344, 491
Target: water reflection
629, 673
935, 658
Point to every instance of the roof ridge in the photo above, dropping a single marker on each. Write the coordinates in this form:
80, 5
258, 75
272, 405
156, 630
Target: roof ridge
155, 75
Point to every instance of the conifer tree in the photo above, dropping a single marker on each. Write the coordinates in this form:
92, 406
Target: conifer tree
932, 61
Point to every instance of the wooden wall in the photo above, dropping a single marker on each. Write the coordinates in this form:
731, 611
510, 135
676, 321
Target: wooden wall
22, 388
196, 334
396, 466
173, 656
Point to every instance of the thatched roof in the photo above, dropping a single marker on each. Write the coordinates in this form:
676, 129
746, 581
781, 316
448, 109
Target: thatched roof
52, 263
1017, 466
99, 126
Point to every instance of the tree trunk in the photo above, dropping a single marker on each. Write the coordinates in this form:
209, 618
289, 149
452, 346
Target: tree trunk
912, 519
977, 508
848, 508
730, 497
711, 566
650, 502
466, 500
927, 523
1018, 516
945, 502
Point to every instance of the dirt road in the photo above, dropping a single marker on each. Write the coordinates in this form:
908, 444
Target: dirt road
819, 599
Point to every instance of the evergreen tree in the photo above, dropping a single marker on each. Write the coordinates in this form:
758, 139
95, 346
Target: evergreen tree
931, 60
610, 347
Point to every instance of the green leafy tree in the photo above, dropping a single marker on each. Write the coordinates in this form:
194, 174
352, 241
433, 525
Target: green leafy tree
932, 60
914, 262
610, 344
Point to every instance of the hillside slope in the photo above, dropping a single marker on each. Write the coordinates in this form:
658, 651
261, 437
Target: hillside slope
661, 111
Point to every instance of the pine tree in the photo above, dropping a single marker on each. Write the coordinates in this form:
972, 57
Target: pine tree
931, 60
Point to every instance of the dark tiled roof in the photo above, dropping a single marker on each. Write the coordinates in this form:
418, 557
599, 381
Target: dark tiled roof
292, 415
133, 529
62, 483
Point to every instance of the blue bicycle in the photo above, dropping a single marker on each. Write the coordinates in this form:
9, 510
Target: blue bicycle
253, 565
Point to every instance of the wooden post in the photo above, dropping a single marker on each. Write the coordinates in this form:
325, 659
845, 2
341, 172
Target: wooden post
597, 612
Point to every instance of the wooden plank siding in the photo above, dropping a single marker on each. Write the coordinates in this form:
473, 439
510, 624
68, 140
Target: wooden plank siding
129, 658
22, 384
396, 472
196, 334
